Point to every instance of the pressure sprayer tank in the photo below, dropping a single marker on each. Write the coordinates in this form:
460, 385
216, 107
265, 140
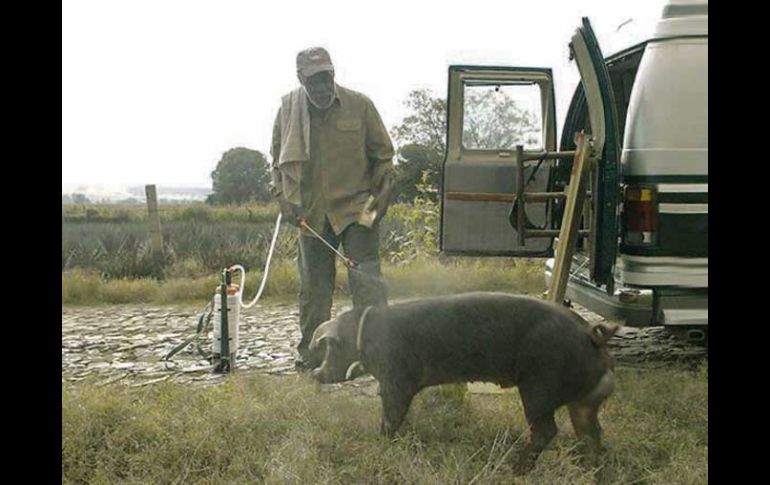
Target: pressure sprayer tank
233, 316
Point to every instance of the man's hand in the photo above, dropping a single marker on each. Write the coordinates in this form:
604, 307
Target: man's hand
291, 212
382, 198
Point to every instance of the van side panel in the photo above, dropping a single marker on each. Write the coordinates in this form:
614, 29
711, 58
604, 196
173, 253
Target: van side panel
666, 147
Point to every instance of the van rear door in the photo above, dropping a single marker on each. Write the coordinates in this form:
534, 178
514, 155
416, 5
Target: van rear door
602, 124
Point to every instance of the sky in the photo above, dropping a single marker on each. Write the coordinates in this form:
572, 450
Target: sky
156, 91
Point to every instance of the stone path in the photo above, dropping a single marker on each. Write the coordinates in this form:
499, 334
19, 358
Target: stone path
126, 343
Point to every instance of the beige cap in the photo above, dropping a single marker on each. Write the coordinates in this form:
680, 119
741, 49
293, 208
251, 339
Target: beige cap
314, 60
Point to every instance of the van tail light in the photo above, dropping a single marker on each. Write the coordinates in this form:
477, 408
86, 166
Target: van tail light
640, 215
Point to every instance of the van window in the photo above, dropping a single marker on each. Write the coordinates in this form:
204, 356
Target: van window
502, 116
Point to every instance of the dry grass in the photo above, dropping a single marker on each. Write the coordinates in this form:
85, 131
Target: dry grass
420, 278
258, 429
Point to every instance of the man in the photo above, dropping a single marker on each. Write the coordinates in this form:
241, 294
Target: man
332, 164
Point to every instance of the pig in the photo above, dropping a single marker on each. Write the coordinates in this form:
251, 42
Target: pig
553, 355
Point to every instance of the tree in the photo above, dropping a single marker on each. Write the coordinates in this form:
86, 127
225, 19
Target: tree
422, 140
426, 123
413, 160
493, 120
241, 175
79, 198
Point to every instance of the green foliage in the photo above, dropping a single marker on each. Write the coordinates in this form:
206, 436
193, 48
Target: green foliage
103, 255
102, 213
116, 250
414, 230
417, 165
123, 250
252, 212
241, 175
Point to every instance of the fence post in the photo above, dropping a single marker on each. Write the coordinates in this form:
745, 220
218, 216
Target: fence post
156, 236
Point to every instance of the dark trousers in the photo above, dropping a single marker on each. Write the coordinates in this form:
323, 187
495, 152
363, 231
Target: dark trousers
317, 276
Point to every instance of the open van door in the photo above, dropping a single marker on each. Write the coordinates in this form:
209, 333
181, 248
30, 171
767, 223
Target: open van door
479, 179
490, 111
601, 216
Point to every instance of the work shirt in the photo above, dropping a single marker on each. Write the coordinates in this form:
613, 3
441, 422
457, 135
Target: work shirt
350, 153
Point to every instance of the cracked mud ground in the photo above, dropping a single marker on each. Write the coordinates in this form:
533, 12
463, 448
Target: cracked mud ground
125, 343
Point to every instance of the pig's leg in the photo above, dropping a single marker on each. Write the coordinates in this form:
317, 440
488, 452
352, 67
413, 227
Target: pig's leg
585, 420
539, 409
585, 415
542, 431
395, 403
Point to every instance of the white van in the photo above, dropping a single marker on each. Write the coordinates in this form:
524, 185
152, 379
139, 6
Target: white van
643, 251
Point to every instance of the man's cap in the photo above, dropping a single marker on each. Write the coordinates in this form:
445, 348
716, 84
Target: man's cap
314, 60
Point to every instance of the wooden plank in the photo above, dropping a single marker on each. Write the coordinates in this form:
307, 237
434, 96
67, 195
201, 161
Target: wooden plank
520, 201
575, 191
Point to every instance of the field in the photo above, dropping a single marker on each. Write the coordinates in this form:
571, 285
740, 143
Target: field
106, 255
257, 428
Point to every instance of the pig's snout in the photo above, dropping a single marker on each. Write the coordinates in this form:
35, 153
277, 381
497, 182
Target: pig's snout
329, 372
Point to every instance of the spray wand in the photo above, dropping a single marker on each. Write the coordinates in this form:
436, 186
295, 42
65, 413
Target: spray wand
347, 261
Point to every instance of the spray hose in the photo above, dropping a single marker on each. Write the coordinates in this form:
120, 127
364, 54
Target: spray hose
267, 268
205, 319
347, 261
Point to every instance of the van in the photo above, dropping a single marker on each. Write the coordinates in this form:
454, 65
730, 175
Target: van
642, 254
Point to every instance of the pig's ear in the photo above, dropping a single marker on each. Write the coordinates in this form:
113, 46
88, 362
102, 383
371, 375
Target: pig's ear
328, 329
602, 332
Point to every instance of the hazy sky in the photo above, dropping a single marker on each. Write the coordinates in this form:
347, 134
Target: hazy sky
156, 91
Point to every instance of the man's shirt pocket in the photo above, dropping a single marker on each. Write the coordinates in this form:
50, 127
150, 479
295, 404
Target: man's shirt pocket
350, 139
347, 125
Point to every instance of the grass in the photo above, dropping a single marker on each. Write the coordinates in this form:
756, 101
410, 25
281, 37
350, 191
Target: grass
199, 240
186, 212
262, 429
122, 250
426, 276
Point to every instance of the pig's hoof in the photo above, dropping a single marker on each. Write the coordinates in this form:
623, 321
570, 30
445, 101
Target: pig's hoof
589, 458
523, 465
388, 431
